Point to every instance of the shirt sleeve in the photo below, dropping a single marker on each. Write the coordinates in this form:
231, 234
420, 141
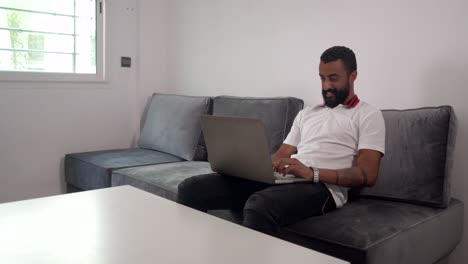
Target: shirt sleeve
294, 136
372, 132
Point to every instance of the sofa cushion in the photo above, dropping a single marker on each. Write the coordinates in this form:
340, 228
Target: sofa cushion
379, 231
92, 170
161, 179
418, 160
172, 125
277, 113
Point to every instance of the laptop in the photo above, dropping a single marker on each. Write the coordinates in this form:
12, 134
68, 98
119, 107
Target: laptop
238, 147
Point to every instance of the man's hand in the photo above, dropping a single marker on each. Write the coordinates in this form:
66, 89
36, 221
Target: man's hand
285, 151
292, 166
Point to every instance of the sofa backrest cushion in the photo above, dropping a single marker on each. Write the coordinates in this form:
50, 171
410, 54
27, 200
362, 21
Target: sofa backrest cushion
276, 113
173, 126
417, 163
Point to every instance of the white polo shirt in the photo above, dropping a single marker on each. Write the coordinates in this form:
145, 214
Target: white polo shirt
330, 138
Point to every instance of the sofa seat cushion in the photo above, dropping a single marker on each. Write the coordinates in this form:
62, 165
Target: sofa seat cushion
378, 231
276, 113
92, 170
161, 179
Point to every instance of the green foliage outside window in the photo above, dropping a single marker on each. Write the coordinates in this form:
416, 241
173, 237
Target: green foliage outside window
14, 21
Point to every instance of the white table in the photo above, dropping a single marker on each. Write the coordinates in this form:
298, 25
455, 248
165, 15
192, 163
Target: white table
127, 225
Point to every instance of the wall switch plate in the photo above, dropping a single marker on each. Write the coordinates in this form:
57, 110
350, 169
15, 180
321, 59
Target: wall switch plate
126, 62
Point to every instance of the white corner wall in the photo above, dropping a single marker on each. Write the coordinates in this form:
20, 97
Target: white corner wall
41, 122
410, 54
153, 47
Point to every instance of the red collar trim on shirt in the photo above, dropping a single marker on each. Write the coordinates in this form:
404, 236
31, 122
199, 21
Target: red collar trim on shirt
351, 103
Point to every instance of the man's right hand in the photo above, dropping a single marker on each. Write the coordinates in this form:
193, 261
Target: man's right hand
293, 166
285, 151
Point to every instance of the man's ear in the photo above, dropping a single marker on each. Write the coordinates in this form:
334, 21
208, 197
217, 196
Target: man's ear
353, 75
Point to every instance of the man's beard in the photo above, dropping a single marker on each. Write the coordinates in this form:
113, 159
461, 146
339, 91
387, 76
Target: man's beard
340, 96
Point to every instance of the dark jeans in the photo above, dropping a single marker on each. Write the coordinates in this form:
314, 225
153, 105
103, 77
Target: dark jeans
265, 207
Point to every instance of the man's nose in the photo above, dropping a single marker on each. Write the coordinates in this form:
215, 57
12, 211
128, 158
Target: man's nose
326, 85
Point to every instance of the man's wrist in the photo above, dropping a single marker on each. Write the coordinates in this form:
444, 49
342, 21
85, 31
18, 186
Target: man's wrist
315, 174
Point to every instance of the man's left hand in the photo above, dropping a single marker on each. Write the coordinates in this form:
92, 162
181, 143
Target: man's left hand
293, 166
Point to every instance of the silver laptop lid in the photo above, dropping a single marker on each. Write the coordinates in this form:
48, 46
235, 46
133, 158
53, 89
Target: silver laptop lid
238, 147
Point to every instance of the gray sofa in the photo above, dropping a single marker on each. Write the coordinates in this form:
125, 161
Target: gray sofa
408, 217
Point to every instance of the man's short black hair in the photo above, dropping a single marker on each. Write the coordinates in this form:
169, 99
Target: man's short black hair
343, 53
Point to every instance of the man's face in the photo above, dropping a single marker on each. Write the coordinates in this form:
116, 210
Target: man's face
335, 82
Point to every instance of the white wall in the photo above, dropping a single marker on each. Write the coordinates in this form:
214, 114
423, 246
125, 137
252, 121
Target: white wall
410, 54
153, 47
41, 122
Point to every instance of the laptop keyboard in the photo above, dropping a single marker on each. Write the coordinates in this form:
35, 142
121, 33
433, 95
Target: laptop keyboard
280, 176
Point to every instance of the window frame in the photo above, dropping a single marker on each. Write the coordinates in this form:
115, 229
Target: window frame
99, 76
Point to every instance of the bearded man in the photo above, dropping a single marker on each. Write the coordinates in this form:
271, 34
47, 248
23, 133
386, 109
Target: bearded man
338, 145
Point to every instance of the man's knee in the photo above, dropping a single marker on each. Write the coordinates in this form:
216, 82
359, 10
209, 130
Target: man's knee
259, 214
189, 192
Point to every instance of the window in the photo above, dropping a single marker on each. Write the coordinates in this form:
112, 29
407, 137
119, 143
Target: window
36, 49
51, 39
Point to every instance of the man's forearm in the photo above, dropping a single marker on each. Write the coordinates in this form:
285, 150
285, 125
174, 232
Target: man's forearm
285, 151
352, 177
279, 155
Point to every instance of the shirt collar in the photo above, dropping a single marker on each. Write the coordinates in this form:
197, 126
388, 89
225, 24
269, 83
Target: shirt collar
354, 101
